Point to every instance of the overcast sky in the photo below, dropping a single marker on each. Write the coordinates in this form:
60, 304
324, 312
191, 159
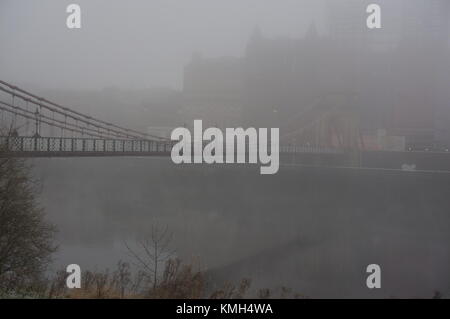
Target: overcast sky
134, 43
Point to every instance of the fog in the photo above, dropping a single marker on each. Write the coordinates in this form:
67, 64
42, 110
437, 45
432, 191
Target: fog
138, 45
310, 68
311, 230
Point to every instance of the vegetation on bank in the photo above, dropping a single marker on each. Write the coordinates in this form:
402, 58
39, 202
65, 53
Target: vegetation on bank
178, 281
26, 238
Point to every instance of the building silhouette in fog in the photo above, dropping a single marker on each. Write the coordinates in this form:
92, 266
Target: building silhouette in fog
398, 73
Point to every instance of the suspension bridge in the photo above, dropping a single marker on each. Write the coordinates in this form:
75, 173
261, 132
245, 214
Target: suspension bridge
32, 126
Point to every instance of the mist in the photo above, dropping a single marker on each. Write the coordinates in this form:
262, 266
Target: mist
373, 102
139, 45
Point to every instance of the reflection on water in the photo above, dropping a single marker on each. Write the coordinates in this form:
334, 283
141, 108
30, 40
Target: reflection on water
314, 230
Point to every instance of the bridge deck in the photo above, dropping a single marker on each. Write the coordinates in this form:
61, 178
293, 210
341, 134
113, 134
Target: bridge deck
20, 146
66, 146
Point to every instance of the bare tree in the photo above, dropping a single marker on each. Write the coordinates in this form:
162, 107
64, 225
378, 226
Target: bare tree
152, 252
26, 239
122, 277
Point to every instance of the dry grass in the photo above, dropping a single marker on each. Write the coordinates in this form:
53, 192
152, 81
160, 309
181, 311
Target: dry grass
178, 281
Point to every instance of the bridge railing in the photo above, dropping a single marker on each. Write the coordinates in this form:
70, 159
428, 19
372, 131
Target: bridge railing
309, 149
72, 146
67, 144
